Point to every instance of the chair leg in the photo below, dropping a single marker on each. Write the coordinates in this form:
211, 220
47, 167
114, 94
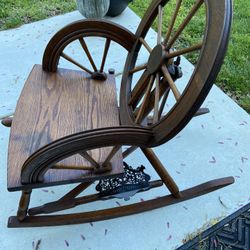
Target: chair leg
162, 172
23, 205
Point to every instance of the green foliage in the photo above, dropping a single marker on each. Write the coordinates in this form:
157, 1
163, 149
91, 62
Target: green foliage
15, 13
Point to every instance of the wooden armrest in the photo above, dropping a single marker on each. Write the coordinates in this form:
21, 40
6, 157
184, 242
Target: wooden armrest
39, 162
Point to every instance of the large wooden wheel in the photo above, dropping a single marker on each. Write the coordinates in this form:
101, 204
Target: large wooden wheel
150, 95
76, 34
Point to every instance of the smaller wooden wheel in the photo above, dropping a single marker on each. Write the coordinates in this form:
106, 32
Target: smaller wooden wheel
75, 35
157, 93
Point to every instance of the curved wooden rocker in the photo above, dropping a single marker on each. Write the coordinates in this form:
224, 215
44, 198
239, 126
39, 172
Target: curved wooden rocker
68, 128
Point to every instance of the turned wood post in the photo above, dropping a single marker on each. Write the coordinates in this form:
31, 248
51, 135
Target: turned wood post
23, 205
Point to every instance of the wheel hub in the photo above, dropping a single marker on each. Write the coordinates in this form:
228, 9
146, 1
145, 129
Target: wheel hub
156, 59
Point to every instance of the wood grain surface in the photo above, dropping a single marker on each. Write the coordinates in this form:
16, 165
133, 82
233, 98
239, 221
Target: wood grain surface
54, 105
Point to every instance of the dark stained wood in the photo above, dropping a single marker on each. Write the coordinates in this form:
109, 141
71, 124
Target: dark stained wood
184, 51
55, 105
23, 205
214, 43
85, 48
60, 205
105, 53
161, 171
182, 26
139, 89
145, 101
84, 28
105, 214
42, 160
145, 44
68, 58
7, 121
172, 20
61, 116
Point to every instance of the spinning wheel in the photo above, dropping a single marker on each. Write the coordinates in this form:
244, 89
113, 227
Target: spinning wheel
78, 32
157, 100
162, 69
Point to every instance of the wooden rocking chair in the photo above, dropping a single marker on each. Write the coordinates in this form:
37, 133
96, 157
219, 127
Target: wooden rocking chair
68, 128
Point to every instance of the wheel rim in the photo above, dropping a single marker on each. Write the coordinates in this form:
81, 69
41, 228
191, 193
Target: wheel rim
75, 35
147, 94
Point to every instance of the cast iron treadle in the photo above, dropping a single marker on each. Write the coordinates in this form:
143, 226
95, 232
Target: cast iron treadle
232, 233
131, 182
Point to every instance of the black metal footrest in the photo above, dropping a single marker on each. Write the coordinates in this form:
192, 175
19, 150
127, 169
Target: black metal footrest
124, 187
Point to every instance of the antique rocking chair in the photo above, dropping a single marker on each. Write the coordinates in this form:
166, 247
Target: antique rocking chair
68, 128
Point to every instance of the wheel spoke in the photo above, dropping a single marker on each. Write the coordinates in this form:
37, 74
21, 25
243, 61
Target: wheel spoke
192, 12
113, 151
145, 101
73, 167
85, 48
163, 102
89, 158
68, 58
171, 82
138, 68
162, 87
184, 51
172, 22
145, 44
128, 151
139, 89
159, 33
106, 48
157, 97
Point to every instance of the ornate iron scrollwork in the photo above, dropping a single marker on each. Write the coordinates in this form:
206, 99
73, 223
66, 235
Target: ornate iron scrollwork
124, 187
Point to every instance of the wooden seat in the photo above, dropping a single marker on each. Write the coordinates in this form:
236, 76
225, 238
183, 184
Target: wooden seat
69, 99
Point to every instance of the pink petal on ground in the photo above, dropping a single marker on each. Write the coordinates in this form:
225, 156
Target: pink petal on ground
83, 238
243, 159
67, 243
213, 160
118, 203
169, 237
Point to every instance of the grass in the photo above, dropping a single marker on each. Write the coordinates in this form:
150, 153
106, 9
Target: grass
234, 77
14, 13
